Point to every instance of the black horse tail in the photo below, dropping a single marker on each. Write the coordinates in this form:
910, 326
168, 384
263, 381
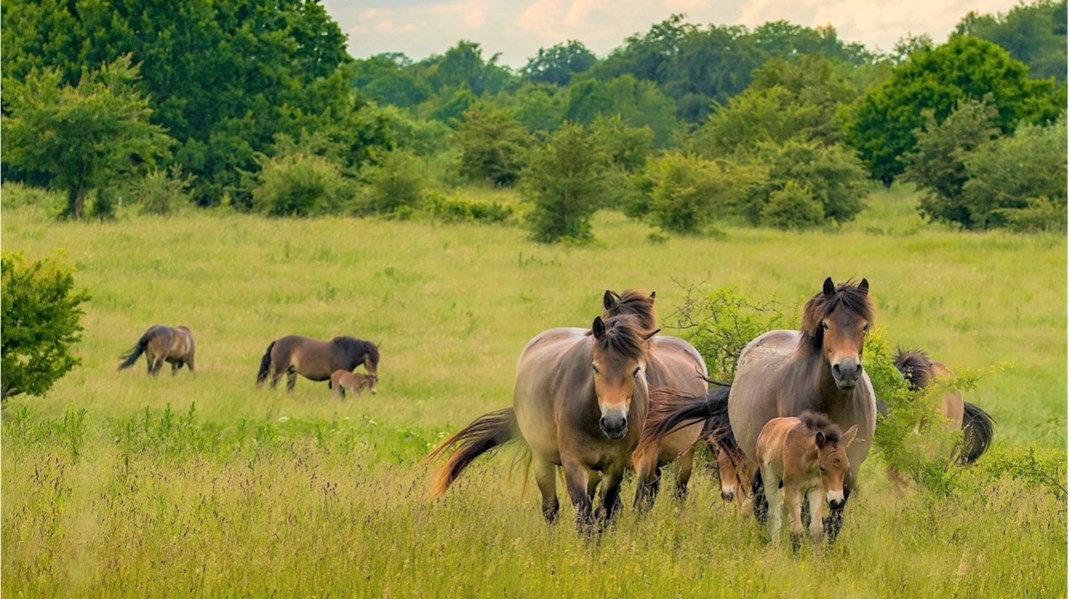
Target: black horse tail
978, 429
265, 365
484, 434
671, 411
131, 356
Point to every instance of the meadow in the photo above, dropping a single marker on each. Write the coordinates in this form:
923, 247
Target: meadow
118, 484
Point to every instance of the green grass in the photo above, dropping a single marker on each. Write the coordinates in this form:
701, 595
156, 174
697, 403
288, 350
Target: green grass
115, 484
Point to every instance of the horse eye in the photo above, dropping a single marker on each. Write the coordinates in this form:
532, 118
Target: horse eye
822, 469
636, 371
824, 326
865, 329
595, 368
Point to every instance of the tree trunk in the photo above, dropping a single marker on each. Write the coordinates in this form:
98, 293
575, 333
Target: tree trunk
76, 201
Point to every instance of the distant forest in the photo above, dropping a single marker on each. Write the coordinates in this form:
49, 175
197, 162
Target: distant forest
256, 105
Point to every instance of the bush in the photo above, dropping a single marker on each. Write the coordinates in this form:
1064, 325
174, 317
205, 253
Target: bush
41, 312
493, 145
684, 192
833, 175
396, 186
792, 207
460, 210
300, 184
163, 191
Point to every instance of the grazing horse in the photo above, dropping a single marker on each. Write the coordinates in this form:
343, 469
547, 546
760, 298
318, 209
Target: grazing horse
160, 344
673, 365
314, 359
978, 428
356, 382
800, 457
579, 401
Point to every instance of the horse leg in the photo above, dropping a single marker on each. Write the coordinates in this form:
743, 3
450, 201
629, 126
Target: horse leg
793, 500
175, 366
276, 374
647, 477
771, 486
189, 363
834, 521
544, 477
759, 502
291, 379
610, 497
686, 461
816, 527
576, 478
157, 364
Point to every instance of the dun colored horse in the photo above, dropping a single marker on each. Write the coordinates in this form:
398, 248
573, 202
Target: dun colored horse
160, 344
785, 373
673, 365
801, 457
356, 382
978, 428
314, 359
579, 401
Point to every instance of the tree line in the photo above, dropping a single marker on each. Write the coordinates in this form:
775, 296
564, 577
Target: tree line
256, 105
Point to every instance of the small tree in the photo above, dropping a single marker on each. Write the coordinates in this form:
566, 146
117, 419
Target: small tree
84, 136
686, 191
299, 184
41, 310
493, 145
397, 185
565, 180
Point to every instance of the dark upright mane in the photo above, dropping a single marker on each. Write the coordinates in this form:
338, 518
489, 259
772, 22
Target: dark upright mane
915, 366
354, 346
631, 302
846, 296
816, 422
623, 336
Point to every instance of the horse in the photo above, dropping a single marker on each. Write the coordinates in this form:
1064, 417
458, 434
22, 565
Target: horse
785, 373
731, 466
579, 400
673, 364
314, 359
160, 344
978, 427
800, 457
354, 381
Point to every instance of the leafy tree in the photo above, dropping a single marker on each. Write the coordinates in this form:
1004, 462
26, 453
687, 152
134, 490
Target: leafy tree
937, 164
85, 136
396, 186
1034, 34
556, 65
493, 145
463, 67
1019, 180
539, 107
565, 182
882, 128
163, 191
792, 207
639, 104
686, 191
387, 79
299, 183
41, 312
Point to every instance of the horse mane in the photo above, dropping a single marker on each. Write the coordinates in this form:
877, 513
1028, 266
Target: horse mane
623, 336
915, 366
847, 296
632, 302
354, 345
817, 422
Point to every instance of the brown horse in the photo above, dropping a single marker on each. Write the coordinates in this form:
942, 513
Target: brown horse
160, 344
579, 401
672, 365
978, 428
356, 382
800, 457
314, 359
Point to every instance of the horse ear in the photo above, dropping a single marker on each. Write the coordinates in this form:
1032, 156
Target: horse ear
820, 439
864, 286
829, 289
652, 294
849, 436
598, 327
609, 300
651, 334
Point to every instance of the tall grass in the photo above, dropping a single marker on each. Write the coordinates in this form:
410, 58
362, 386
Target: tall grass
117, 484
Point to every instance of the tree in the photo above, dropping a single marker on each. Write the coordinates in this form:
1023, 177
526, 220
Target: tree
882, 127
1034, 34
387, 78
565, 182
937, 164
84, 136
556, 65
493, 145
41, 312
687, 192
639, 104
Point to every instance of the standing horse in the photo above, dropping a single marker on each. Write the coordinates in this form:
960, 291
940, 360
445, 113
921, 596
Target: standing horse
978, 428
356, 382
802, 457
160, 344
672, 365
579, 401
314, 359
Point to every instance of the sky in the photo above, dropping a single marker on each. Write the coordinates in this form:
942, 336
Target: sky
518, 28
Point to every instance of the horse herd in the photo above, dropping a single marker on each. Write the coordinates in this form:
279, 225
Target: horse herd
796, 423
790, 431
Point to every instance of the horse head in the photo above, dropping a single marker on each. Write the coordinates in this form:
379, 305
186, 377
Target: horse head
833, 462
835, 322
618, 358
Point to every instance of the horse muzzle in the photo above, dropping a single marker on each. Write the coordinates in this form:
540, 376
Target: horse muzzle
846, 373
614, 427
728, 494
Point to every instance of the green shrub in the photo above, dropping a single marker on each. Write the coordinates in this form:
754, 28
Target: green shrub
300, 184
163, 191
396, 186
456, 209
41, 312
792, 207
566, 183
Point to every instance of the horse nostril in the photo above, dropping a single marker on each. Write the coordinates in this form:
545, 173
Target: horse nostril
836, 369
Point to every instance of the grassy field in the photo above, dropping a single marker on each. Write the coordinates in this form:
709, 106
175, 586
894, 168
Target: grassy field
115, 484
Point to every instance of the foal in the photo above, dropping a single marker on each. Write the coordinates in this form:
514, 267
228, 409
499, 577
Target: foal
798, 456
354, 381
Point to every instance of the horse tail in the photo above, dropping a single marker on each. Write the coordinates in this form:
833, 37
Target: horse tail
670, 411
265, 365
978, 429
484, 434
131, 356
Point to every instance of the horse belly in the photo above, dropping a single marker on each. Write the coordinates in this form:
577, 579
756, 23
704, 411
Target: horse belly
752, 401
